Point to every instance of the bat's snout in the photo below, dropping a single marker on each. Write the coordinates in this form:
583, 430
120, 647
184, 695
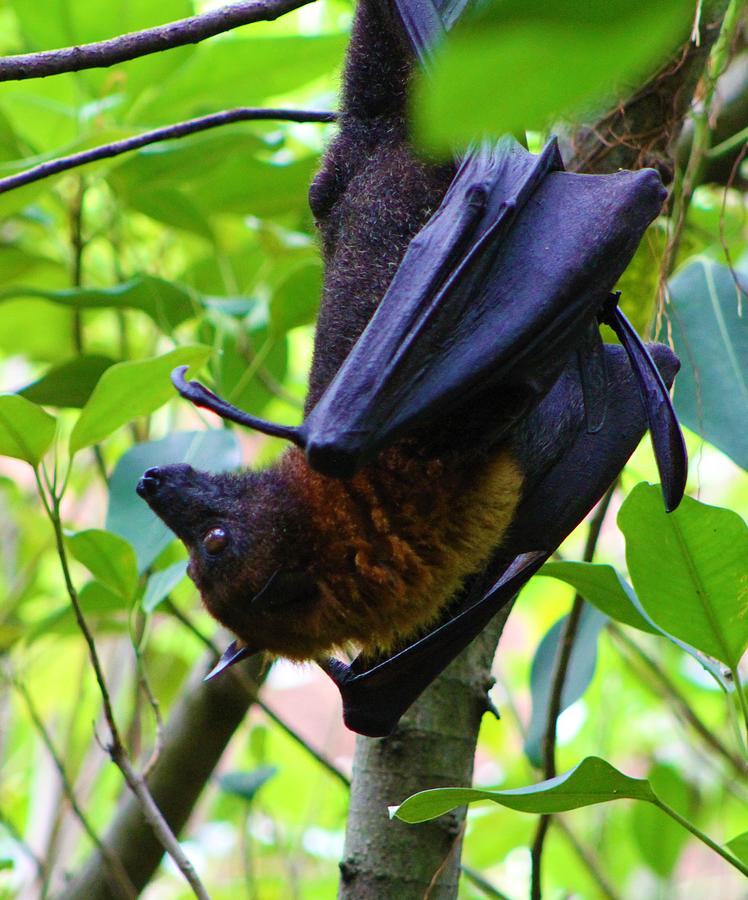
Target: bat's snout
150, 483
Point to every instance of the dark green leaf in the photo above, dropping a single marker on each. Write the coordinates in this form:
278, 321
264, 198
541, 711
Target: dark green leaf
591, 781
578, 676
162, 583
711, 339
69, 384
26, 431
518, 65
129, 516
688, 569
108, 557
246, 784
128, 390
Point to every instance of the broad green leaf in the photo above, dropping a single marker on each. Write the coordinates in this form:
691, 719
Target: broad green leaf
659, 838
69, 384
108, 557
603, 587
162, 583
521, 64
578, 676
689, 570
739, 846
128, 390
246, 784
711, 339
166, 302
17, 264
591, 781
242, 71
36, 329
129, 516
26, 431
236, 180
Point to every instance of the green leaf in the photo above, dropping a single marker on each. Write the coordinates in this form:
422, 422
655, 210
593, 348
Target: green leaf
242, 71
246, 784
26, 431
739, 846
521, 64
128, 390
688, 569
603, 587
591, 781
166, 302
578, 676
98, 604
129, 516
659, 838
711, 339
69, 384
162, 583
108, 557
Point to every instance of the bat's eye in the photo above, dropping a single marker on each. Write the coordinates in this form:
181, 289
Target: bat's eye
215, 540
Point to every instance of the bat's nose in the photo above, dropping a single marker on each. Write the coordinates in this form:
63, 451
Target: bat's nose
150, 482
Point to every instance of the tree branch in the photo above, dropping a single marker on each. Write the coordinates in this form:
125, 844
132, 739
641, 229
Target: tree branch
168, 132
141, 43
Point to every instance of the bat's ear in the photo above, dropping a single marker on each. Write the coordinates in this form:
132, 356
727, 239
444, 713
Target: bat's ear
285, 588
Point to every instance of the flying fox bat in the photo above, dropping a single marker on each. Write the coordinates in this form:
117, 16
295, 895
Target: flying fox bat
463, 414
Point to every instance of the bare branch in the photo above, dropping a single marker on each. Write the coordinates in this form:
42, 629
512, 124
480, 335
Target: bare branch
140, 43
168, 132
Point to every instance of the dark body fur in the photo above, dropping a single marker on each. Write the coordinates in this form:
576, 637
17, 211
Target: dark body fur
313, 563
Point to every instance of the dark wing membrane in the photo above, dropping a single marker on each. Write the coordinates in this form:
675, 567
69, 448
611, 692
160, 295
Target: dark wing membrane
497, 290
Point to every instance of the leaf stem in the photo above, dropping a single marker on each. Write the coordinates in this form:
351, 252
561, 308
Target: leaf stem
742, 702
705, 839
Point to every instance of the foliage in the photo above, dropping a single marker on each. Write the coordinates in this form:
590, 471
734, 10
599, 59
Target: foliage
202, 252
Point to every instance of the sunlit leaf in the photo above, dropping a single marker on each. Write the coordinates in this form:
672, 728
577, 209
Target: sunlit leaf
108, 557
26, 431
591, 781
711, 339
739, 846
128, 390
515, 65
688, 568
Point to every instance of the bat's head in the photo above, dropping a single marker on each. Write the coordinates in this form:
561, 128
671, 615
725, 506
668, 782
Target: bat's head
245, 552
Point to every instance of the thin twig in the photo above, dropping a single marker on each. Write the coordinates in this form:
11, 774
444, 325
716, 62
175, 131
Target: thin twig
476, 879
114, 863
156, 135
253, 689
141, 43
560, 669
18, 839
657, 674
116, 748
